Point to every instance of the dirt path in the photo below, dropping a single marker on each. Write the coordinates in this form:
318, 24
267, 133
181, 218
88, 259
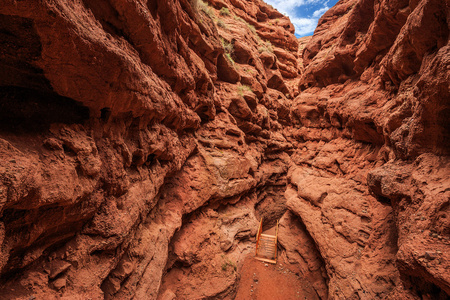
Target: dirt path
272, 282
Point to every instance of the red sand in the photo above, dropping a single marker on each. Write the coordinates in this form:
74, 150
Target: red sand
267, 281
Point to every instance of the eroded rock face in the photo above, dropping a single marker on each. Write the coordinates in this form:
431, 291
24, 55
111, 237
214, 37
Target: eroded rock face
141, 143
119, 120
395, 53
371, 129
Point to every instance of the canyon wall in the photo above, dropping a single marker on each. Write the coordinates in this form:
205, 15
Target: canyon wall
142, 141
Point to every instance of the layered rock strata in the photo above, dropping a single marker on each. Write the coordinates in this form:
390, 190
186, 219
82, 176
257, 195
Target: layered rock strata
142, 141
373, 107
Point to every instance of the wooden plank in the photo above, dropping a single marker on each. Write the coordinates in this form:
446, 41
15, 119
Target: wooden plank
258, 235
268, 236
266, 260
276, 241
259, 229
266, 239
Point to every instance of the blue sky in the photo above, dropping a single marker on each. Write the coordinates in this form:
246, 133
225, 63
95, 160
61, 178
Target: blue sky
304, 14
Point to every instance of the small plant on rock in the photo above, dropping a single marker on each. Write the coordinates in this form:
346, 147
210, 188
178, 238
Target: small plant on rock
224, 11
243, 88
205, 8
249, 71
227, 46
238, 19
228, 263
251, 28
224, 266
228, 56
265, 47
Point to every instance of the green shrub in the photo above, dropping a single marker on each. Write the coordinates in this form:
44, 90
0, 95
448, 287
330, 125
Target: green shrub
251, 28
238, 18
205, 8
228, 56
224, 266
224, 11
245, 88
242, 88
227, 46
227, 263
265, 47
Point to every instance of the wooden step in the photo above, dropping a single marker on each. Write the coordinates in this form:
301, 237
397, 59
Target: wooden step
272, 261
267, 241
267, 254
267, 246
268, 236
266, 249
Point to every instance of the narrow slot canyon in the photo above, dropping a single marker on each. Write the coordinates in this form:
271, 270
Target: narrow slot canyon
142, 143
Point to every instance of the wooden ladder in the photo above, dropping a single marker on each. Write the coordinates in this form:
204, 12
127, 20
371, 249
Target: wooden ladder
266, 245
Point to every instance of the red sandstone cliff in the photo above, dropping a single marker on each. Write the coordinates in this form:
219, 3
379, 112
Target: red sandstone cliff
374, 104
141, 142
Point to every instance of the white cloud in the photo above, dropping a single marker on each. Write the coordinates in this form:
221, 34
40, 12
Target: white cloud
304, 26
318, 13
288, 6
